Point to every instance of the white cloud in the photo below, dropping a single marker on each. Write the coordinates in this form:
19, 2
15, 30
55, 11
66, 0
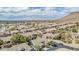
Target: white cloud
25, 11
74, 9
8, 9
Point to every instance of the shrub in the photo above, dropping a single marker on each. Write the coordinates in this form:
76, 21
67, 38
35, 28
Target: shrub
37, 48
51, 43
7, 45
57, 37
34, 36
17, 38
77, 23
64, 36
47, 46
74, 30
77, 41
1, 42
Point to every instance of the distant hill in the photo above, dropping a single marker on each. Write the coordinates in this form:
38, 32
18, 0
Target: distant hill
72, 17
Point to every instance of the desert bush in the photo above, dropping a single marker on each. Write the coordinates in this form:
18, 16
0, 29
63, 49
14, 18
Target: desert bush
34, 36
57, 37
74, 30
64, 36
7, 45
17, 38
77, 23
51, 43
77, 41
1, 42
22, 49
37, 48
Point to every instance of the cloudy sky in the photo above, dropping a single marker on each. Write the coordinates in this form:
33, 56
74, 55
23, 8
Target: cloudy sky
35, 13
